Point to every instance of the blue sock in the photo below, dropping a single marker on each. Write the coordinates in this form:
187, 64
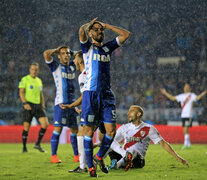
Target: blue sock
105, 145
54, 142
88, 147
73, 140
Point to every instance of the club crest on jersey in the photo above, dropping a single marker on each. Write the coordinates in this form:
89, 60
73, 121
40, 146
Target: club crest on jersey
105, 49
31, 87
142, 133
102, 57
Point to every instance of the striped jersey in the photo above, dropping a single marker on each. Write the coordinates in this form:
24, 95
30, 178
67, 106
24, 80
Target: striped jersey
81, 80
97, 64
64, 77
136, 138
186, 100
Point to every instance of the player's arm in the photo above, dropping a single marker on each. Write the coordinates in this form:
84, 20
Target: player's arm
83, 31
168, 95
201, 95
123, 33
23, 99
48, 54
74, 104
167, 147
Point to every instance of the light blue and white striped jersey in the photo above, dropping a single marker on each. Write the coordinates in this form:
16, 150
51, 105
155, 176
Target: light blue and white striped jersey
97, 64
64, 77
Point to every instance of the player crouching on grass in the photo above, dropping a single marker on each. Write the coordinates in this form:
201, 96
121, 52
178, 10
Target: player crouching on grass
137, 136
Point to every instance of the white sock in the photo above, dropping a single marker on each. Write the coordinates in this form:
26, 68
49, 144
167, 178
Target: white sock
120, 163
81, 152
188, 140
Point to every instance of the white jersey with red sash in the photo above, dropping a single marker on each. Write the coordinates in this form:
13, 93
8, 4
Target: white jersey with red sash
186, 100
136, 138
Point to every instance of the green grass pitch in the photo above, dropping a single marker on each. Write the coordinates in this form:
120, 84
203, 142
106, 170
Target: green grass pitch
159, 164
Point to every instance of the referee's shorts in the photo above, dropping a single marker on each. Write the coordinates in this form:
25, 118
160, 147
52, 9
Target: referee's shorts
36, 112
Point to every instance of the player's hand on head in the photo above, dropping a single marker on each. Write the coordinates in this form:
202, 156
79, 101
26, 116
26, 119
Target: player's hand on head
91, 23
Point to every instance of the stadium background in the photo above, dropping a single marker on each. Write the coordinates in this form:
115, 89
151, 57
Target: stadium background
174, 30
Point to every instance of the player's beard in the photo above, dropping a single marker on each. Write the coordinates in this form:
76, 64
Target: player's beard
96, 38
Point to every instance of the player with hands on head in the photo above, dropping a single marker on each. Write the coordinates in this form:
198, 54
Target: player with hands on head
64, 77
98, 102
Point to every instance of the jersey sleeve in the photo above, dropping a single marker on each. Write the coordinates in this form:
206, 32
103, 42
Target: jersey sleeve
85, 46
178, 98
154, 135
22, 83
53, 65
112, 45
194, 96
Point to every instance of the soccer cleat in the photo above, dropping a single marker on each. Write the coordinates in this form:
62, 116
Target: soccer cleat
54, 159
24, 150
76, 158
113, 164
79, 170
128, 158
101, 164
38, 147
93, 172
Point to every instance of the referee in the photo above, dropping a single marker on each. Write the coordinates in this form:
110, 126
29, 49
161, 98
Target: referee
31, 95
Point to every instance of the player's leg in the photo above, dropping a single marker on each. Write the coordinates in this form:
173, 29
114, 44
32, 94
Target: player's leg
81, 151
27, 118
54, 144
108, 114
185, 123
57, 121
72, 117
25, 135
73, 139
41, 116
90, 109
82, 158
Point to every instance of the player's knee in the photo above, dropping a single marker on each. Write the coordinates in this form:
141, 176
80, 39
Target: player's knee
74, 130
111, 132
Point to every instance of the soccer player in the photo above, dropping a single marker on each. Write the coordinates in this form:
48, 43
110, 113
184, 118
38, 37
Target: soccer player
31, 95
137, 136
64, 77
186, 100
81, 80
98, 100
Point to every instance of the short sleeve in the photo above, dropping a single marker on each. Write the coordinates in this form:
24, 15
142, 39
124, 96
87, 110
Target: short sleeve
22, 83
154, 135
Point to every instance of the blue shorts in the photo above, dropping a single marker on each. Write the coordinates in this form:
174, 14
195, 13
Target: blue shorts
98, 106
65, 117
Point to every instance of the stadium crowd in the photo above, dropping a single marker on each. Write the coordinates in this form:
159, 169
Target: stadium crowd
170, 28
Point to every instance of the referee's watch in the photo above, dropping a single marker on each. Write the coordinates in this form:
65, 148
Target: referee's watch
25, 103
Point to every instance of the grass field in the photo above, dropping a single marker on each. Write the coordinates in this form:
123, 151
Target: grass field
159, 164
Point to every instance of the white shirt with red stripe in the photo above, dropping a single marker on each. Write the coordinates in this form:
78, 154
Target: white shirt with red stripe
81, 80
186, 100
136, 138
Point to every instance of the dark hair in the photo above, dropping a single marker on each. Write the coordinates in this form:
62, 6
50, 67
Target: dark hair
96, 22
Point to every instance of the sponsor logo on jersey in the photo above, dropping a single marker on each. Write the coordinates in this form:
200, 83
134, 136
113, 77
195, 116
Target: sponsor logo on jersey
102, 58
56, 122
31, 87
142, 133
133, 139
68, 76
